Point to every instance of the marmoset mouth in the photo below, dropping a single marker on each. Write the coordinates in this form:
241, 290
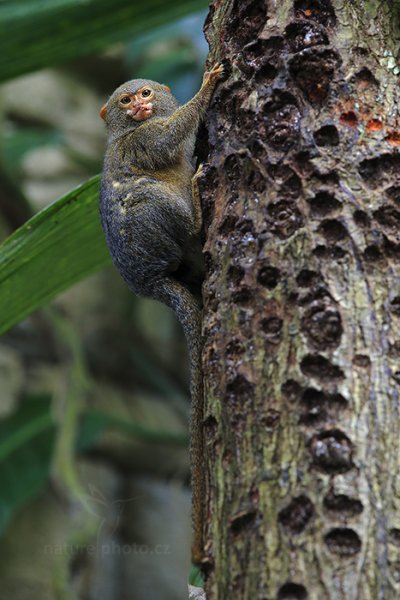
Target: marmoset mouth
141, 113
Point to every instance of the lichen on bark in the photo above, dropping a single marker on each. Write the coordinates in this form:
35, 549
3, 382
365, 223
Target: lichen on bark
301, 198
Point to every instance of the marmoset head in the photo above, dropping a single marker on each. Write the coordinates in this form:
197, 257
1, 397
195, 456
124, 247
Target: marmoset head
137, 101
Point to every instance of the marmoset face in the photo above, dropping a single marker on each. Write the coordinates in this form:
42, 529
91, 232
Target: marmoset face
138, 106
137, 101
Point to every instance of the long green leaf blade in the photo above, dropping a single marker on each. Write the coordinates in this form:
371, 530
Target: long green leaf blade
56, 248
41, 33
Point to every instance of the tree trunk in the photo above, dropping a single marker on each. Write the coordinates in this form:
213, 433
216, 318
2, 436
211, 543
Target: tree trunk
302, 302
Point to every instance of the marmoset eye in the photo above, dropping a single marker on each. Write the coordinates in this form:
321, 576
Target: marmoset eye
146, 93
125, 100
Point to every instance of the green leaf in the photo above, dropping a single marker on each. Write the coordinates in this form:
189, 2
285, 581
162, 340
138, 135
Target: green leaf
196, 576
26, 448
56, 248
40, 33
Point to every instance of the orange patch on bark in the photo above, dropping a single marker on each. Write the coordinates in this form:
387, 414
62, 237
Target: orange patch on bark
374, 125
393, 137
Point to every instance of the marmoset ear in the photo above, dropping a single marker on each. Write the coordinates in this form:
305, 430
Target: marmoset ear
103, 112
166, 88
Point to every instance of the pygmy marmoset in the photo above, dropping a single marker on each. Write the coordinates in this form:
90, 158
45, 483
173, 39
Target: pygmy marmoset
151, 214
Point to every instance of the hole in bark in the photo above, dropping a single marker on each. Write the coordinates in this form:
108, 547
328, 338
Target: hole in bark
327, 135
210, 427
284, 218
235, 274
393, 137
292, 591
323, 327
313, 71
319, 367
374, 125
288, 181
255, 180
272, 46
282, 120
234, 348
291, 389
242, 521
269, 277
266, 73
297, 514
388, 217
305, 34
303, 163
232, 168
391, 249
361, 218
394, 536
323, 203
349, 119
228, 224
319, 293
332, 451
341, 503
393, 193
394, 349
242, 296
271, 419
306, 278
343, 541
240, 389
230, 97
291, 188
329, 252
272, 328
395, 306
396, 376
361, 360
257, 149
330, 178
376, 171
364, 79
359, 51
263, 57
333, 230
313, 407
372, 254
316, 406
250, 17
246, 226
318, 10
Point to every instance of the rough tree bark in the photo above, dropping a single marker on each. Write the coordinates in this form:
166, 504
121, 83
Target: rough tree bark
302, 301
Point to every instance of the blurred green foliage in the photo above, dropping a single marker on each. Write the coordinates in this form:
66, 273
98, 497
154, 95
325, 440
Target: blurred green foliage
64, 243
26, 448
40, 33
